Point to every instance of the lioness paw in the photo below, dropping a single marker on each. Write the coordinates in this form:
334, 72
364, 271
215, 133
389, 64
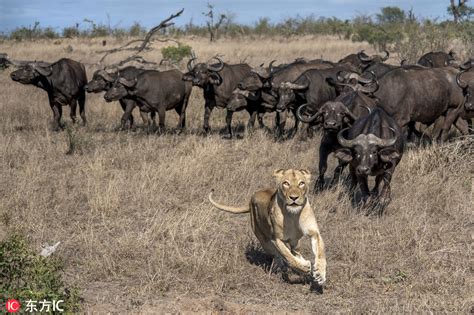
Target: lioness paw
317, 276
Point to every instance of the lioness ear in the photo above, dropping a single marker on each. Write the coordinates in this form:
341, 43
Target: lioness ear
278, 173
306, 174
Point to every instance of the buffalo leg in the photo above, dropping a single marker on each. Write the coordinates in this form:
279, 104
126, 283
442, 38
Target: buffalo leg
127, 115
146, 119
451, 117
323, 165
260, 120
58, 112
364, 188
153, 118
281, 124
73, 110
251, 123
123, 104
82, 106
228, 122
182, 119
337, 173
161, 117
207, 114
295, 127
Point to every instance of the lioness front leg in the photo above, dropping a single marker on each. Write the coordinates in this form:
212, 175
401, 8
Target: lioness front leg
317, 246
296, 263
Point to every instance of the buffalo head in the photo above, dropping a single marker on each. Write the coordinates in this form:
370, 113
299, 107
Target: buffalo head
32, 72
101, 81
467, 86
332, 115
253, 82
366, 150
204, 73
287, 94
120, 89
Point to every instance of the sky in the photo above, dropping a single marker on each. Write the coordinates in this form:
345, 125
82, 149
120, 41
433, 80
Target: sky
123, 13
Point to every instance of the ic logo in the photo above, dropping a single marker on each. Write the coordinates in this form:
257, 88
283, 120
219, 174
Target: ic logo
13, 306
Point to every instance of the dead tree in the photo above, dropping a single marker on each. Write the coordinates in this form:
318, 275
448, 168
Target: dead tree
212, 25
144, 43
456, 9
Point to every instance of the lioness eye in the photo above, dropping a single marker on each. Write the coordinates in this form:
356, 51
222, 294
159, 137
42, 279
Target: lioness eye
302, 184
286, 184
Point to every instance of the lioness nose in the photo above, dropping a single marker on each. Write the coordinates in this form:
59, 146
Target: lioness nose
293, 198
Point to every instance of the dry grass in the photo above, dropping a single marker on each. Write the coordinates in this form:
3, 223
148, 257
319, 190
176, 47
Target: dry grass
138, 233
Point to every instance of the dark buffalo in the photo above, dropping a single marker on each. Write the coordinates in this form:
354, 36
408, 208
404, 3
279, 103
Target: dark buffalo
361, 60
103, 80
64, 82
218, 81
379, 69
154, 91
438, 59
465, 80
251, 102
372, 146
413, 94
335, 116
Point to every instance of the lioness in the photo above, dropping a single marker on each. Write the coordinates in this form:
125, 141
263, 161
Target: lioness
283, 216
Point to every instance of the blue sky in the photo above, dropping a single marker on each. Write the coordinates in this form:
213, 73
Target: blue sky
61, 13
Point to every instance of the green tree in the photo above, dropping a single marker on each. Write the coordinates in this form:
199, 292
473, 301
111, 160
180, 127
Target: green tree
390, 15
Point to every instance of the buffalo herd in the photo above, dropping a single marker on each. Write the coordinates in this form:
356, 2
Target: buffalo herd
366, 109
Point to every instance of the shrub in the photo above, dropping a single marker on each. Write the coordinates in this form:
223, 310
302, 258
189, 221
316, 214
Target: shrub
176, 53
24, 275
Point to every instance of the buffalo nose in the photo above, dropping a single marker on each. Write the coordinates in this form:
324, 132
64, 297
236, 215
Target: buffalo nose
330, 123
363, 169
293, 198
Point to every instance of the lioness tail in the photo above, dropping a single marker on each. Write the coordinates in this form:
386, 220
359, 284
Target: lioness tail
228, 208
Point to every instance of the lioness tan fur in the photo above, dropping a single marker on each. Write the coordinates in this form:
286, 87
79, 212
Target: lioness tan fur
281, 216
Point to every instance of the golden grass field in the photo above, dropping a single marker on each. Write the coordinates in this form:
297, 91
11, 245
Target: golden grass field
138, 233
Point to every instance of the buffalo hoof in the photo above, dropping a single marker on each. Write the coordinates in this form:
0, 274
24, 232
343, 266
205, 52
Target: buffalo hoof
227, 137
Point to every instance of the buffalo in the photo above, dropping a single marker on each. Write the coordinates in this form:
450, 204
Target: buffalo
413, 94
154, 91
335, 116
438, 59
218, 82
373, 146
63, 80
361, 60
250, 101
103, 80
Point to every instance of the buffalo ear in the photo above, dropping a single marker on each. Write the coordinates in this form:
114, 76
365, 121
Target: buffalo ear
215, 78
45, 71
389, 155
344, 155
306, 174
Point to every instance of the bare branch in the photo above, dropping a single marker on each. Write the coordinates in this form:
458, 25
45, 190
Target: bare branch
144, 42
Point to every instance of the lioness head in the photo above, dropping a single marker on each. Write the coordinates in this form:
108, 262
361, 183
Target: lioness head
293, 188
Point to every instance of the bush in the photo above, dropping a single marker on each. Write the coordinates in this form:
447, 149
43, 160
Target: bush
175, 54
24, 275
71, 32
